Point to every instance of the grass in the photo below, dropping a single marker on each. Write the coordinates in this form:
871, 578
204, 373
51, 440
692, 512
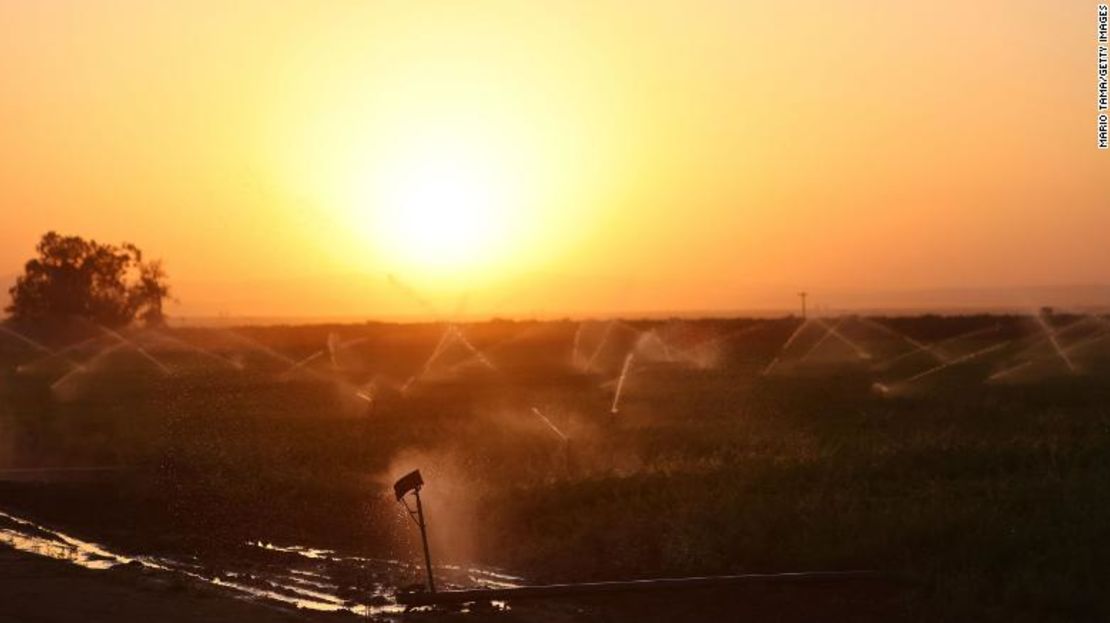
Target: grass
992, 501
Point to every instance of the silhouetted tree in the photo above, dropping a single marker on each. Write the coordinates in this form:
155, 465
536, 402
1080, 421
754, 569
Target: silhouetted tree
77, 278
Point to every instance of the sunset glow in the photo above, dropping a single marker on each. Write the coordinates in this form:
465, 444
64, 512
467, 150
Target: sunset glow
566, 157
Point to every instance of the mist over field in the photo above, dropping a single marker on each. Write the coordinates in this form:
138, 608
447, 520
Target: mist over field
574, 451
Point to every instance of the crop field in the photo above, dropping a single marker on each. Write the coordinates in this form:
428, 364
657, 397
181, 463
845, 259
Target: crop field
965, 458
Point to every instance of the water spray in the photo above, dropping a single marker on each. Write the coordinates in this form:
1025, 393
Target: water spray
28, 341
575, 357
469, 346
1046, 336
620, 382
49, 353
975, 355
495, 347
333, 346
600, 345
303, 362
369, 391
197, 349
551, 425
86, 366
137, 348
860, 352
916, 344
260, 347
824, 338
1009, 371
935, 345
1088, 342
444, 341
796, 333
337, 347
786, 345
1067, 351
687, 353
653, 336
1055, 342
273, 354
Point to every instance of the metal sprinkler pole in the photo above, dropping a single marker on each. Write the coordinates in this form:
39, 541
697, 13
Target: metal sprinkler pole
412, 483
424, 539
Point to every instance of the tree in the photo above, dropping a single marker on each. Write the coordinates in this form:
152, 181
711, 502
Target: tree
76, 278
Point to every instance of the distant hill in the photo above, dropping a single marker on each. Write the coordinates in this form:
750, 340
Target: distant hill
1082, 297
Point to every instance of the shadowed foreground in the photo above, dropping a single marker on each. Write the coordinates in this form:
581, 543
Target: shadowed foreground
33, 588
42, 590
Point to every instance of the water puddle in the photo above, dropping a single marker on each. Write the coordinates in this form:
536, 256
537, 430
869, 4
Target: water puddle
30, 537
299, 576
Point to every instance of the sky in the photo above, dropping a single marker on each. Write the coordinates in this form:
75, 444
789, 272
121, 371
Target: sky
382, 159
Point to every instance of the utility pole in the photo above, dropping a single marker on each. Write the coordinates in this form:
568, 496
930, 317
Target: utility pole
803, 295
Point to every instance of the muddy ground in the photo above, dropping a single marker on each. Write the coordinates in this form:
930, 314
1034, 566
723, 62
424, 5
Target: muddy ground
35, 589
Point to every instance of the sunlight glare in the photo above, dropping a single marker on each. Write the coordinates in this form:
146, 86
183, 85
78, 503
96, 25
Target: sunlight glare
444, 206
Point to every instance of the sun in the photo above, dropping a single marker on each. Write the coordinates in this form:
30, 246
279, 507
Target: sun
441, 210
447, 196
444, 207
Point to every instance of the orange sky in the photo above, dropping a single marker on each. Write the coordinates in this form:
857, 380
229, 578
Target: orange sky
557, 157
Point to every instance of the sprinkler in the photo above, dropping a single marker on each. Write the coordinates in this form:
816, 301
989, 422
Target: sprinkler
411, 483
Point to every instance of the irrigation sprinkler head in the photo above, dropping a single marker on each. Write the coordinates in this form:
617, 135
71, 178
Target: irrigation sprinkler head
408, 483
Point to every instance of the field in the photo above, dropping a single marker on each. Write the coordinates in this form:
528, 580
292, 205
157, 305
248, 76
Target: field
967, 458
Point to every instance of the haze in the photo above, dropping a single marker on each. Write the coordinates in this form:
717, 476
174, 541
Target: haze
592, 157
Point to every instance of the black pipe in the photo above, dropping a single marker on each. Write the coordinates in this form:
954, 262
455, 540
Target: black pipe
625, 586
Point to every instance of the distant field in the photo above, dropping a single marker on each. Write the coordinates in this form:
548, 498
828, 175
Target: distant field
967, 456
